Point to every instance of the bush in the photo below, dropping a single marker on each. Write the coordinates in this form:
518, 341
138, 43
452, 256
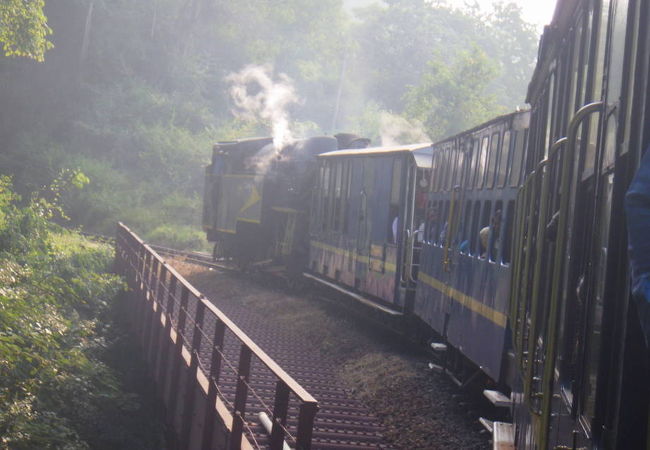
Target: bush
57, 333
179, 237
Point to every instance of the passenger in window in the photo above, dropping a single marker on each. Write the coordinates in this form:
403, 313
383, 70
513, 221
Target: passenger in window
393, 224
443, 233
420, 226
463, 244
637, 209
484, 234
431, 224
395, 227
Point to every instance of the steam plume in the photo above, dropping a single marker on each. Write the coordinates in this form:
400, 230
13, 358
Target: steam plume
258, 97
396, 130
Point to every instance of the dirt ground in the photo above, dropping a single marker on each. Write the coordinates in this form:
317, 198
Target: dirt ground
420, 409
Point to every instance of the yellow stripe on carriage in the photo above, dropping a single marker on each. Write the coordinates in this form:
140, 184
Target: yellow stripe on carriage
388, 266
285, 210
496, 317
244, 219
238, 175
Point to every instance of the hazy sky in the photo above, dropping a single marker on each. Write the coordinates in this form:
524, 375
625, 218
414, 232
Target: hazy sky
538, 12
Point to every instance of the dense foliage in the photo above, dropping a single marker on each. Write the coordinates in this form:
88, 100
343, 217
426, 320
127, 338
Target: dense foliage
62, 364
23, 28
134, 93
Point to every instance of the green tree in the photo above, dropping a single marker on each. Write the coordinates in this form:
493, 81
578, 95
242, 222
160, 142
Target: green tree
399, 39
449, 99
24, 29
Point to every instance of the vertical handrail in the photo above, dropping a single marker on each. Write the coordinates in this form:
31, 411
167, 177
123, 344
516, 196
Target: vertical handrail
451, 229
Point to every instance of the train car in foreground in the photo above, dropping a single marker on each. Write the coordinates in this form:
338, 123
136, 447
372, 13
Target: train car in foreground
577, 341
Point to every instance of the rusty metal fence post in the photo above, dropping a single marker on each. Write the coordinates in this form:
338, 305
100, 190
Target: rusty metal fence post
190, 382
213, 380
243, 374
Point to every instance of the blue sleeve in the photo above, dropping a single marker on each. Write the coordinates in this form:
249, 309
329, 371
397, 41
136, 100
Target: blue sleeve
637, 208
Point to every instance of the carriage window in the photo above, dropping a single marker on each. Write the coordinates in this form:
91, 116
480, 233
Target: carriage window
462, 166
451, 161
463, 247
326, 194
331, 207
495, 231
473, 238
437, 219
434, 172
338, 188
318, 194
347, 184
517, 158
442, 232
397, 178
474, 164
506, 239
441, 171
586, 55
445, 170
393, 208
492, 162
575, 68
503, 162
482, 161
452, 168
637, 28
484, 229
549, 114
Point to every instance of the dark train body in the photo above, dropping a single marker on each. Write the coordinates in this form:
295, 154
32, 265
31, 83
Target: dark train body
581, 359
465, 260
506, 243
257, 200
366, 203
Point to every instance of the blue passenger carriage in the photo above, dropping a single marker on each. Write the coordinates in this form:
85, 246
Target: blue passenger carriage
367, 204
464, 273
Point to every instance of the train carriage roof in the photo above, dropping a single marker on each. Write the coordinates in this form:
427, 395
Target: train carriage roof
422, 153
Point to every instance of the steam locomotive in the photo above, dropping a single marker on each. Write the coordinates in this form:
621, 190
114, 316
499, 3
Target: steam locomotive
506, 243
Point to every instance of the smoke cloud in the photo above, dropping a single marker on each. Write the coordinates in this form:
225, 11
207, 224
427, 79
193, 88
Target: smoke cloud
396, 130
258, 97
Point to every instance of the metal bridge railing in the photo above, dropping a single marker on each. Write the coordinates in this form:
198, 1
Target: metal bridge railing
202, 363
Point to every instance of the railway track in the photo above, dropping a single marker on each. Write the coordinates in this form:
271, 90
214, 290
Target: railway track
342, 421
